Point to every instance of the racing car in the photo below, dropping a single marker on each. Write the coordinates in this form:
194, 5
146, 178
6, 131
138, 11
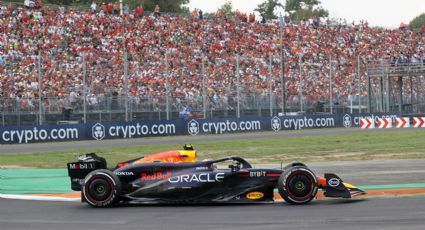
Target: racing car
177, 176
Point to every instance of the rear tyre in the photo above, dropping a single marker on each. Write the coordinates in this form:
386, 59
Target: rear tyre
297, 185
83, 200
101, 188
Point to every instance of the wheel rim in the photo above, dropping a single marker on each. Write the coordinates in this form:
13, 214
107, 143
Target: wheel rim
100, 189
300, 186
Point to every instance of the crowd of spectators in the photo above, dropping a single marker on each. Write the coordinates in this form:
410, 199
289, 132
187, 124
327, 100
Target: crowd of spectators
164, 50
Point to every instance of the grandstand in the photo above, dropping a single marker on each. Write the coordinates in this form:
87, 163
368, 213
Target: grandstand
390, 93
62, 64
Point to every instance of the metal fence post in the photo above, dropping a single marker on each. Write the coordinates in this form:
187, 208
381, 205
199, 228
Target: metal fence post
368, 98
204, 96
418, 83
167, 90
130, 106
84, 90
18, 111
40, 100
388, 99
300, 87
381, 94
411, 92
359, 83
400, 94
282, 74
330, 85
238, 112
381, 87
126, 83
270, 84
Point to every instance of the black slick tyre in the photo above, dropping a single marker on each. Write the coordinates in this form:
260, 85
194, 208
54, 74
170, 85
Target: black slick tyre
102, 188
83, 199
297, 185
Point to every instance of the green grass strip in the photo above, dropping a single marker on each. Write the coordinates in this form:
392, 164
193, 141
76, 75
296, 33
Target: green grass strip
403, 144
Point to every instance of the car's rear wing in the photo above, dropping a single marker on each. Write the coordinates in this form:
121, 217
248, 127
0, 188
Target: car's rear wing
86, 163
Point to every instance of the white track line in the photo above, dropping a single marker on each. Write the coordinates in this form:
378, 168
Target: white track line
42, 198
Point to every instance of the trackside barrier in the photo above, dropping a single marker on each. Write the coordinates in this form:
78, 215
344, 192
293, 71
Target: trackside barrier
402, 122
384, 123
367, 123
136, 129
419, 122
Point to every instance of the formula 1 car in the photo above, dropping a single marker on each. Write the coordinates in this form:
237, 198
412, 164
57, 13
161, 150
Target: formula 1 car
177, 177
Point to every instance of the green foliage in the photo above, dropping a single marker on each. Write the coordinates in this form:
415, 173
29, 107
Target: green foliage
175, 6
418, 22
227, 9
352, 146
266, 9
304, 9
59, 2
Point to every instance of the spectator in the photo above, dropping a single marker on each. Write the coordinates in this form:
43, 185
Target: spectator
93, 7
73, 98
157, 11
201, 14
263, 19
29, 4
125, 9
139, 11
109, 8
61, 36
185, 113
194, 12
251, 17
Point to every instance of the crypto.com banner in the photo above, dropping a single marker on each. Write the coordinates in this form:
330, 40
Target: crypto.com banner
134, 129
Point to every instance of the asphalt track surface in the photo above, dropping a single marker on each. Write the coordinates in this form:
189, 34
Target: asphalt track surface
387, 213
370, 213
87, 145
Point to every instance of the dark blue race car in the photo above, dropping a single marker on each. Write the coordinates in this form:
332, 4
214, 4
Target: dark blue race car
177, 177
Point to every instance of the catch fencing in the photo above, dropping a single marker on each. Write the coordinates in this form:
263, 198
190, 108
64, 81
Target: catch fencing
154, 85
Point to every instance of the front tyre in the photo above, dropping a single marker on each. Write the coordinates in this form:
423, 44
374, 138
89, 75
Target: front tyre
297, 185
101, 188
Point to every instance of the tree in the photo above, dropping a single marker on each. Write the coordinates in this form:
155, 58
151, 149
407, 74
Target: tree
418, 22
266, 9
60, 2
175, 6
304, 9
227, 9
